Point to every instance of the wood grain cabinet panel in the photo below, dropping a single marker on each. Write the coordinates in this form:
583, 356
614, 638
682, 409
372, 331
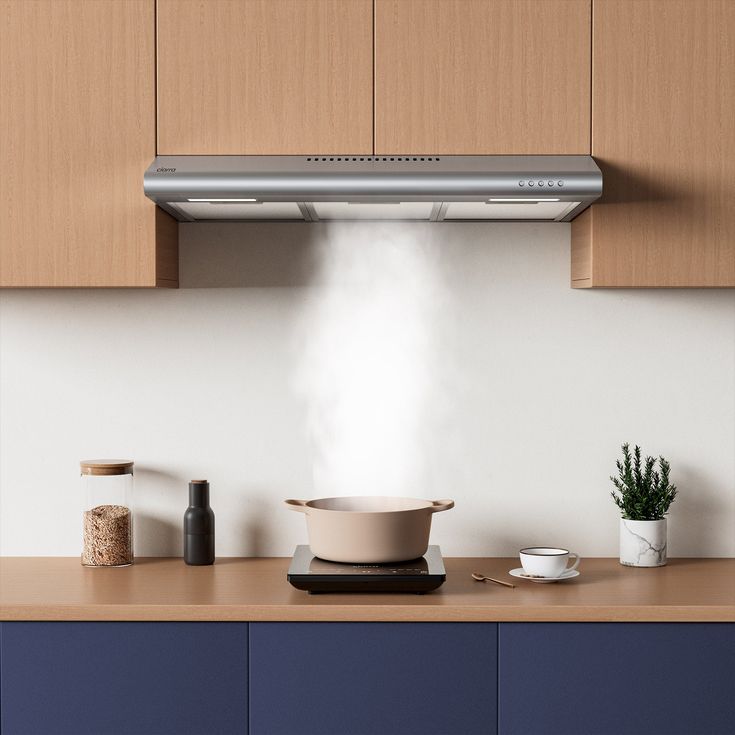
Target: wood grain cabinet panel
482, 76
251, 77
77, 131
663, 132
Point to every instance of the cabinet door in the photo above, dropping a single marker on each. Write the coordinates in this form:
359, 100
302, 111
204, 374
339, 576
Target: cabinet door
265, 77
77, 131
372, 678
123, 678
663, 132
482, 76
616, 678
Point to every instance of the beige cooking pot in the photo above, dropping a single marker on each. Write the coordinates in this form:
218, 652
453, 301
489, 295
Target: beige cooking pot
369, 530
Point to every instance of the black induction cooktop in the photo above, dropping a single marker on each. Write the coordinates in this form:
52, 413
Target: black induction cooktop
308, 572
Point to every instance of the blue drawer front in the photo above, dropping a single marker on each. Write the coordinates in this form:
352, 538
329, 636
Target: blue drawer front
373, 678
616, 679
123, 678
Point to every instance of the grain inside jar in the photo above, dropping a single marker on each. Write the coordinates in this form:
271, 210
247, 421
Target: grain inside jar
107, 518
107, 536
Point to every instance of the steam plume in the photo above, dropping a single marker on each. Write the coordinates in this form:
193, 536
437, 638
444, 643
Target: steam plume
368, 374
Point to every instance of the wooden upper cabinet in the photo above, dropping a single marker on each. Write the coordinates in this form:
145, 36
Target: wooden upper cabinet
663, 132
77, 131
482, 76
254, 77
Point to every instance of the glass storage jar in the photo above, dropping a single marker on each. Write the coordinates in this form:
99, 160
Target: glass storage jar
107, 520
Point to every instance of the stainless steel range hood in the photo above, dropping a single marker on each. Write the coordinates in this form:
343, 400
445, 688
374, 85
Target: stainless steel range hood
428, 188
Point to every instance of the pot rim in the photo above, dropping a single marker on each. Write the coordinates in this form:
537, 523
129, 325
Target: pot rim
421, 504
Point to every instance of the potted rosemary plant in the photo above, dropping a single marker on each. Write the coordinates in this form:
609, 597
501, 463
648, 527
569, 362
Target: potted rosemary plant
644, 495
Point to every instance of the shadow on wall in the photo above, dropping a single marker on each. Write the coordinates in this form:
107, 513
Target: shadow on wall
699, 516
249, 255
291, 254
256, 523
156, 536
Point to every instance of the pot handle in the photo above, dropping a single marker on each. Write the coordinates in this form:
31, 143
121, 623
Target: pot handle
437, 506
299, 505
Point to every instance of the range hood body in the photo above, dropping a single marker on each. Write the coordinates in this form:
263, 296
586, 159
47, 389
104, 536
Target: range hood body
428, 188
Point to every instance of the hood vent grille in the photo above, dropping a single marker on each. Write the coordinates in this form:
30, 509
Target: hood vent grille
416, 188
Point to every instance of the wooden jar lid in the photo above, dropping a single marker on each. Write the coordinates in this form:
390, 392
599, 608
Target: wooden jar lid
106, 467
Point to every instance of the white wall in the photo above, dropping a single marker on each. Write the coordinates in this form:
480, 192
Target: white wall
523, 390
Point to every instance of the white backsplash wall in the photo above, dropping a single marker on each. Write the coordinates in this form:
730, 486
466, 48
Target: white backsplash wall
524, 390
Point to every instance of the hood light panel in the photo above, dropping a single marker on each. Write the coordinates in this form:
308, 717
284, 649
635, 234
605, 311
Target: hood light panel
222, 200
527, 200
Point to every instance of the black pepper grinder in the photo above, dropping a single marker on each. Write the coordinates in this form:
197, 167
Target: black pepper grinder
199, 526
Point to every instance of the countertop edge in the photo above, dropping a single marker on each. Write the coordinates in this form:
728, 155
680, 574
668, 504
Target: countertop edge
370, 613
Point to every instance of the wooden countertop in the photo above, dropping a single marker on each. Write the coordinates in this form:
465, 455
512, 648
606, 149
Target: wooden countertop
59, 588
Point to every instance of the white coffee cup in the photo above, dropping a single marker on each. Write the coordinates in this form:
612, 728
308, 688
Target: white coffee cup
547, 561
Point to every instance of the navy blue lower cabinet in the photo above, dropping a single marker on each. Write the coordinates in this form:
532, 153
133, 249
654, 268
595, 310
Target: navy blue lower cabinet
616, 679
373, 678
123, 678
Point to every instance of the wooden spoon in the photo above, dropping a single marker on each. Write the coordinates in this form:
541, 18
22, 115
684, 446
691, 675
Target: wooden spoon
482, 578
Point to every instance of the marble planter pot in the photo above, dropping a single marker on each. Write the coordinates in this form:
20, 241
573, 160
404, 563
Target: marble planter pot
643, 543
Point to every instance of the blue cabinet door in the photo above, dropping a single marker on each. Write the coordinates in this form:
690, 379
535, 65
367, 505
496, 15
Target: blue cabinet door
616, 678
123, 678
373, 678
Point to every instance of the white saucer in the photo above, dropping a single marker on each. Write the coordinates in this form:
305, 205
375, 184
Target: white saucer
520, 574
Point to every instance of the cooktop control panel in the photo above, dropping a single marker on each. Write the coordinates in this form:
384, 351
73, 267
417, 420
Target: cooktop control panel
308, 572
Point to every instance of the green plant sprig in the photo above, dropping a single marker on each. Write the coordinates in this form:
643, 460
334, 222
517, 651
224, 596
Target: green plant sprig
642, 493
